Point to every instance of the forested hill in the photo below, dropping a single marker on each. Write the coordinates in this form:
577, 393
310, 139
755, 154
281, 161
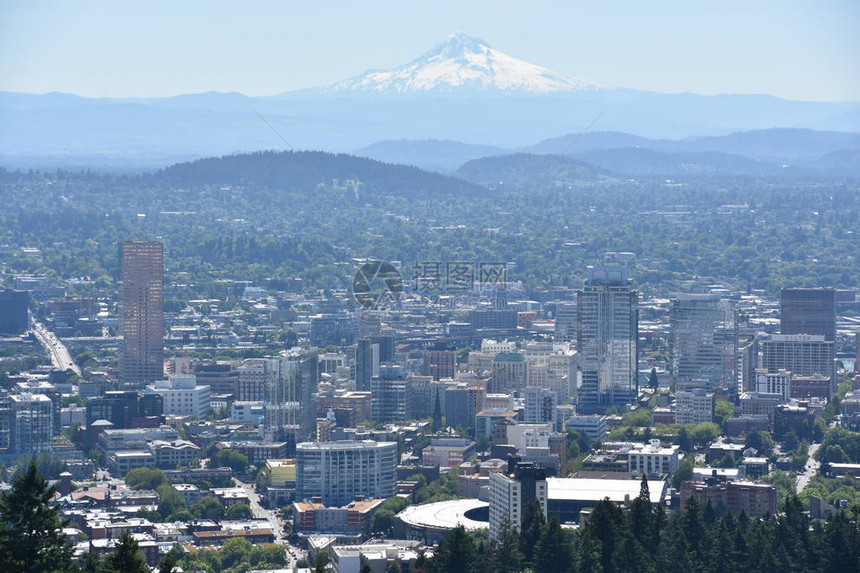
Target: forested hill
309, 169
526, 171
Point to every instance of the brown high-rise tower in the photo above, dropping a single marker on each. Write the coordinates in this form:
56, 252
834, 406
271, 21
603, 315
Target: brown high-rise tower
142, 298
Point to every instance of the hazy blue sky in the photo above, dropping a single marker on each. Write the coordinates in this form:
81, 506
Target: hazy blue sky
794, 49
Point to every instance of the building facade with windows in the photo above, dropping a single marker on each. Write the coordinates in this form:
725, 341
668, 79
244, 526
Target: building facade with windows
513, 490
808, 311
607, 340
704, 342
142, 298
338, 471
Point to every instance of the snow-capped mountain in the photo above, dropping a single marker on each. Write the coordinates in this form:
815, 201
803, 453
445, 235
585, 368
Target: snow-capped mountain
462, 63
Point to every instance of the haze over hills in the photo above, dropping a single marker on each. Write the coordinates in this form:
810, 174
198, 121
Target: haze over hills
462, 90
758, 152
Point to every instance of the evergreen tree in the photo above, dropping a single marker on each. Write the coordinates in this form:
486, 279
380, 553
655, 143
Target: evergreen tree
531, 531
652, 379
590, 556
675, 556
609, 526
126, 558
437, 414
167, 565
457, 554
642, 522
31, 539
693, 526
684, 442
91, 563
505, 554
554, 553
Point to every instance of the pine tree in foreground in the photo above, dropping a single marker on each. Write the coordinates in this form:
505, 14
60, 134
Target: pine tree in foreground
31, 537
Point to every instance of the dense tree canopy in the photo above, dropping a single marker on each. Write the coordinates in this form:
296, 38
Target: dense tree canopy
697, 539
220, 223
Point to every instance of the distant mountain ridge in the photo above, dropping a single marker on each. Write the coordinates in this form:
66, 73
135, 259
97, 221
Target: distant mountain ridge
757, 152
461, 90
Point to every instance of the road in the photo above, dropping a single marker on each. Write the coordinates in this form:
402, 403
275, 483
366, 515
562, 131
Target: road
60, 357
810, 470
259, 512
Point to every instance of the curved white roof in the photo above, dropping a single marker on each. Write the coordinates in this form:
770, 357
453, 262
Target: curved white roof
443, 514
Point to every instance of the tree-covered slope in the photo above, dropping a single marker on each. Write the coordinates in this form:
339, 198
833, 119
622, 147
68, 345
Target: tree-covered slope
526, 171
309, 170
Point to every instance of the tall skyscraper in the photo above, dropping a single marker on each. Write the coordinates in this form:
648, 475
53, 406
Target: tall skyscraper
366, 363
142, 298
808, 311
388, 394
704, 342
291, 391
607, 339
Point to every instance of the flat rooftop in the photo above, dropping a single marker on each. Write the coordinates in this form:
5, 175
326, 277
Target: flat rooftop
589, 489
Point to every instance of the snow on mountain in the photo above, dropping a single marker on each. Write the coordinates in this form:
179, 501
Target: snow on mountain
462, 62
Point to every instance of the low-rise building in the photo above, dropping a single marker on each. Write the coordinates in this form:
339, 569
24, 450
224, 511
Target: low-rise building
694, 406
258, 452
653, 458
230, 496
281, 473
182, 395
172, 454
755, 499
447, 452
121, 462
378, 555
718, 451
592, 426
189, 492
247, 412
314, 517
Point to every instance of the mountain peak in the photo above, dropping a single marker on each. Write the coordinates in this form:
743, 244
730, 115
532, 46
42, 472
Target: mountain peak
462, 63
458, 43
